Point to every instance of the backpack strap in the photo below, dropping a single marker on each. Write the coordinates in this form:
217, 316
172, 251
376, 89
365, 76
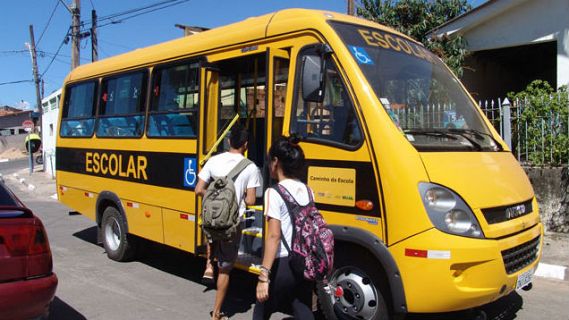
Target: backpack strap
234, 173
310, 197
291, 205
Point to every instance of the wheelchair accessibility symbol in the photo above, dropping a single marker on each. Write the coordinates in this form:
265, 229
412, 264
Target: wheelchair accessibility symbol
190, 175
361, 55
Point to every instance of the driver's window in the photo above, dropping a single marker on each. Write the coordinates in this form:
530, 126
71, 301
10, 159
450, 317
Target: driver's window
332, 120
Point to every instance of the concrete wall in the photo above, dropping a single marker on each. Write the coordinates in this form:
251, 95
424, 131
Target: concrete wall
50, 130
13, 141
551, 186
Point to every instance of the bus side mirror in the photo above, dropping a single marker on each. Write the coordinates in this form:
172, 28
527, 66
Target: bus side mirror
312, 79
314, 74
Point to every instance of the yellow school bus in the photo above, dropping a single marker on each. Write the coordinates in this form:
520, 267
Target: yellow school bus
430, 210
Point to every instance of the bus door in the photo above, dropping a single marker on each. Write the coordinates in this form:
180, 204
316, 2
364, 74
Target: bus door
235, 86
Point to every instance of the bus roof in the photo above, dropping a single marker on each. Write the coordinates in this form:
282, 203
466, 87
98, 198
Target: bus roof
284, 21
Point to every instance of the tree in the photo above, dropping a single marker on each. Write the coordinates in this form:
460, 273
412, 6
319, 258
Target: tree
416, 18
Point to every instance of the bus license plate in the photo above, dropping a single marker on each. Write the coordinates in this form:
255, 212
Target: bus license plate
524, 279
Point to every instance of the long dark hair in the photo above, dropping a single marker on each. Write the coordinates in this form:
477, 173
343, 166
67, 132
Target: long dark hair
290, 155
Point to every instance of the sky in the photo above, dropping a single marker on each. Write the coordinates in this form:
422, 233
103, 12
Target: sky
115, 38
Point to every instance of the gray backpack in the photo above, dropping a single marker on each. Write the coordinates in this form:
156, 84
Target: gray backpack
220, 214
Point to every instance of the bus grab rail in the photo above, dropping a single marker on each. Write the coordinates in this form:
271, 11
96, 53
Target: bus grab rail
221, 137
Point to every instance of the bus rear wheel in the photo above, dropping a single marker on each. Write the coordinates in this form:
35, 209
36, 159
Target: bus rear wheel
353, 292
119, 245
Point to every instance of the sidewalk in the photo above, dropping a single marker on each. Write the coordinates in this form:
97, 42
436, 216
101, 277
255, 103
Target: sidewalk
39, 182
554, 260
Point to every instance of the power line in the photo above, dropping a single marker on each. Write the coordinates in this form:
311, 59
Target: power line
115, 15
116, 44
51, 54
129, 14
48, 22
142, 13
56, 54
14, 82
14, 52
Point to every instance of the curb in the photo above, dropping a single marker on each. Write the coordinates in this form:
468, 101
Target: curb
551, 271
23, 181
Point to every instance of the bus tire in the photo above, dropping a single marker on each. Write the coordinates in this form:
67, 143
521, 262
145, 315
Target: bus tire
119, 245
353, 292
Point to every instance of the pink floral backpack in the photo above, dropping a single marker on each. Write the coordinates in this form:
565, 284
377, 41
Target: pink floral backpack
312, 252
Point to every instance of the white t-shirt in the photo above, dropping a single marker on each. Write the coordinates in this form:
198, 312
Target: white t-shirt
221, 164
276, 209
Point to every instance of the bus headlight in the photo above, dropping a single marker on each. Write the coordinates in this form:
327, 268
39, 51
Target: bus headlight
448, 212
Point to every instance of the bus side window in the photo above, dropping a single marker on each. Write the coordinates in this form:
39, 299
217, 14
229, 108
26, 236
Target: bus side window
334, 119
174, 106
78, 115
122, 106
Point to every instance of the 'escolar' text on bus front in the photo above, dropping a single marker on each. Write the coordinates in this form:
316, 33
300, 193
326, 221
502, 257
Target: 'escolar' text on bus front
116, 165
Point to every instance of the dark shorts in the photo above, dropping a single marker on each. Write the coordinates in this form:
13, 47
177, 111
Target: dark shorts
226, 252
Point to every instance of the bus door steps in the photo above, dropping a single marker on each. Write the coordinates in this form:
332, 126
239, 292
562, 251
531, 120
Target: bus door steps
248, 262
252, 241
252, 234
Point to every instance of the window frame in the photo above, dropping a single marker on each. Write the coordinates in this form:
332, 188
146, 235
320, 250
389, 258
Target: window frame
95, 106
144, 103
312, 48
150, 101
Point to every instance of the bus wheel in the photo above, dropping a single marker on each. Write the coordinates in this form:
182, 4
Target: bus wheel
118, 244
352, 292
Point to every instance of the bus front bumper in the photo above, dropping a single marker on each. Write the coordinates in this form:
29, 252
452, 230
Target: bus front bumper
443, 272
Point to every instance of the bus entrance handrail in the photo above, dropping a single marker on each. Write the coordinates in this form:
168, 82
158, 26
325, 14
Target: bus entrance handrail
221, 137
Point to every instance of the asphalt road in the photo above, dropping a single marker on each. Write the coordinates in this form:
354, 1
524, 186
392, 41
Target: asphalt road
12, 166
164, 282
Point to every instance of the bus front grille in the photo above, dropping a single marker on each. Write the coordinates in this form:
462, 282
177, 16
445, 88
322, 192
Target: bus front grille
509, 212
519, 257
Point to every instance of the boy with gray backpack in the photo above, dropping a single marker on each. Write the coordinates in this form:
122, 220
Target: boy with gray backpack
227, 183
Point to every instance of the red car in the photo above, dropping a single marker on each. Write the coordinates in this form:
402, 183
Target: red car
27, 282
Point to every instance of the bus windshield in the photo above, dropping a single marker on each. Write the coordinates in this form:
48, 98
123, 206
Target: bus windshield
418, 92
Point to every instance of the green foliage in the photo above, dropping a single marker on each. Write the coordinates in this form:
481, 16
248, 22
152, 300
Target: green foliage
416, 18
544, 121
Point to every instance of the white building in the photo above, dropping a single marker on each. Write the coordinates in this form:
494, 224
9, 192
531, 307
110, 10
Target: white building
513, 42
50, 108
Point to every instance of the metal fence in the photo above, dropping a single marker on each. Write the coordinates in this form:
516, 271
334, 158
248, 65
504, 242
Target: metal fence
535, 128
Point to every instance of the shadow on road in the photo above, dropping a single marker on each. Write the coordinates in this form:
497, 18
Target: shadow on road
502, 309
87, 235
61, 310
241, 295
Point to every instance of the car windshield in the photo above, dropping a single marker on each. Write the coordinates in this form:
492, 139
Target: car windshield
418, 92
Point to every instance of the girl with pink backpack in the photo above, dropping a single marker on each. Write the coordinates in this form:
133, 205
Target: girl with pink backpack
298, 246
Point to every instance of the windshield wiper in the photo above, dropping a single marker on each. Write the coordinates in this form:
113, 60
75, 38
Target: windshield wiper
446, 133
432, 133
478, 134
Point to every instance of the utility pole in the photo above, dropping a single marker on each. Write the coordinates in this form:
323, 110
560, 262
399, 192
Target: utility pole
32, 47
75, 36
351, 10
94, 48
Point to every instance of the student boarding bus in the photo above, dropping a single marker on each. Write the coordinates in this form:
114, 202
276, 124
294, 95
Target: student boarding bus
430, 210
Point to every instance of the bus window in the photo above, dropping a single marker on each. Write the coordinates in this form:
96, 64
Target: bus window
122, 106
78, 115
334, 119
174, 108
